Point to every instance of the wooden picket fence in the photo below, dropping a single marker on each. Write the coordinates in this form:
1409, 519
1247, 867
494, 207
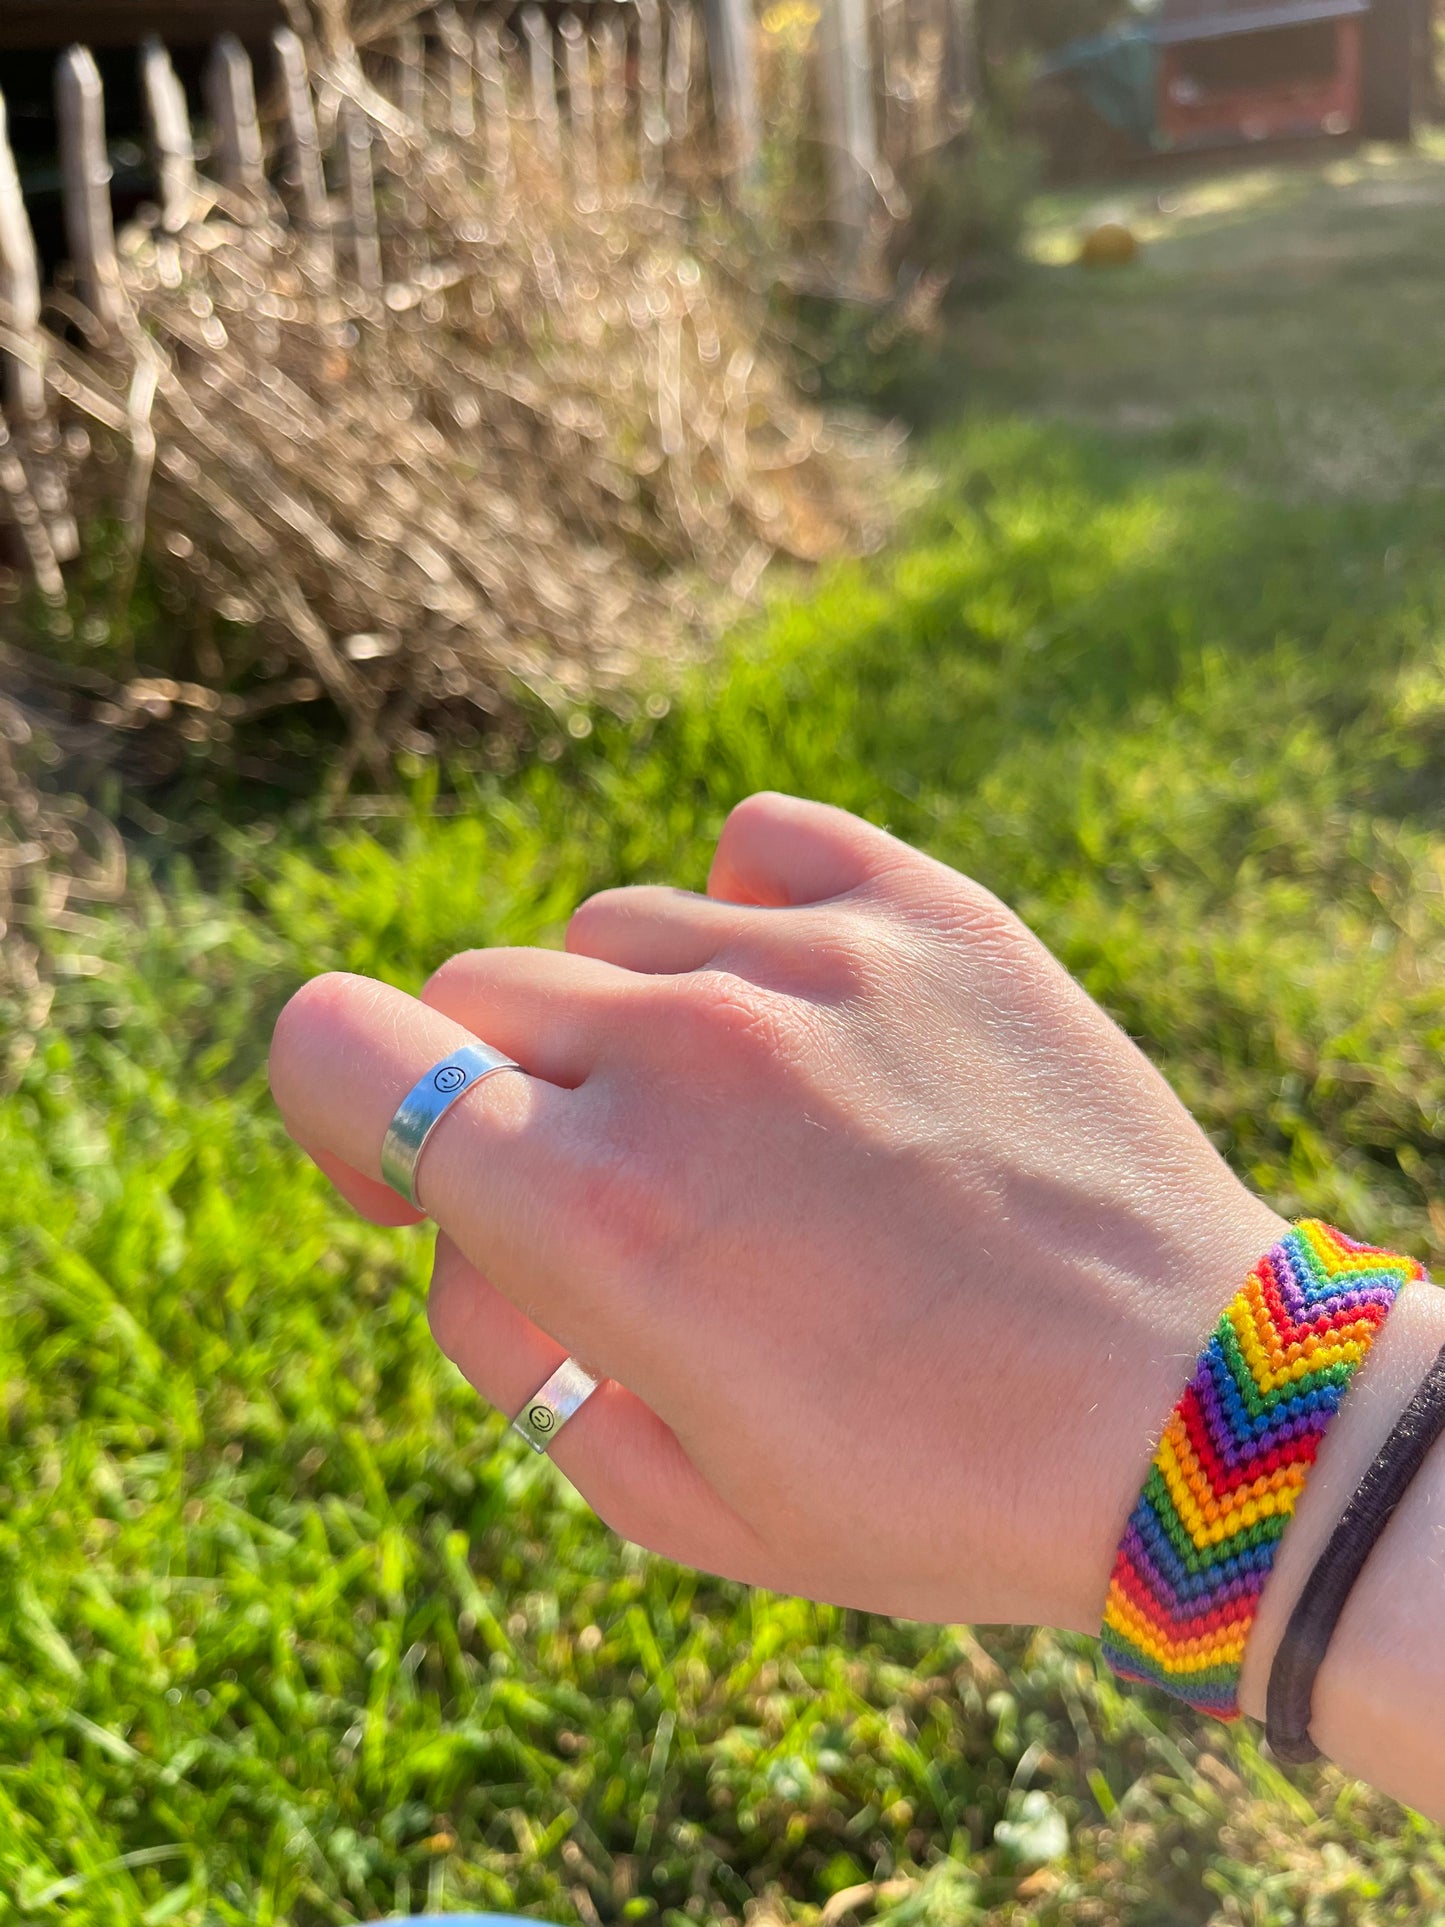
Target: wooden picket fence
640, 96
474, 74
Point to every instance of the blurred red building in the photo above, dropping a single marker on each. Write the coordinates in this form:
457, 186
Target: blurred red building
1234, 71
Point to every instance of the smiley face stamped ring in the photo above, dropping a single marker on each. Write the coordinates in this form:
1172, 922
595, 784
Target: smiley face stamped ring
552, 1404
425, 1104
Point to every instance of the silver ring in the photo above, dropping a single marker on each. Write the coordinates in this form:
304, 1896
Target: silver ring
421, 1109
552, 1404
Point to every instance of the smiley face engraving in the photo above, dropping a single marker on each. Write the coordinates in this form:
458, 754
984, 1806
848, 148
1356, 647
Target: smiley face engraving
449, 1078
541, 1418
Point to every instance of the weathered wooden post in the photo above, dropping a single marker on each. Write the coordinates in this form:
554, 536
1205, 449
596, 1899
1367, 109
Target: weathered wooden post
230, 91
678, 84
895, 132
960, 66
304, 144
544, 82
578, 56
461, 113
169, 121
35, 481
361, 197
929, 81
732, 62
496, 108
409, 238
609, 36
411, 67
19, 293
85, 182
846, 88
651, 115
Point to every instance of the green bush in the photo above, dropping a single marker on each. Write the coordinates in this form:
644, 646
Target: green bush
967, 199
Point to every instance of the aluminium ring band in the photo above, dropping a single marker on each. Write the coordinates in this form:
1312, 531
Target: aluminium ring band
424, 1106
552, 1404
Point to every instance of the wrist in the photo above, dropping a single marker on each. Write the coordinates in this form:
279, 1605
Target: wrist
1194, 1274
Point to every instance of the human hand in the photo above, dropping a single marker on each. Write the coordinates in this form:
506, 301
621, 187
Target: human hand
894, 1249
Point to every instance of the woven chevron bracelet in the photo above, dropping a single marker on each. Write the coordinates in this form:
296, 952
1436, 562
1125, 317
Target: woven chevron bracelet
1234, 1458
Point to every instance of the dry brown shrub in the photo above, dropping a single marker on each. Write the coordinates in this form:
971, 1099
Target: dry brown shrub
56, 855
533, 458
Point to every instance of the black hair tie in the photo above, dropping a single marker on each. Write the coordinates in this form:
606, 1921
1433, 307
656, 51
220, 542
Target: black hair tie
1317, 1610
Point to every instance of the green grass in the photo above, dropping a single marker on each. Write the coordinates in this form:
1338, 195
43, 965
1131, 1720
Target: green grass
289, 1631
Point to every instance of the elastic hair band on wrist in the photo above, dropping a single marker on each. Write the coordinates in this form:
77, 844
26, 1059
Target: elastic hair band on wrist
1301, 1652
1236, 1451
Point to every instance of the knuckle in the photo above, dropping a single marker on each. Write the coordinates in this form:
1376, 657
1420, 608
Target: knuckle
456, 974
715, 1012
590, 919
317, 997
601, 919
762, 807
320, 1003
964, 912
758, 821
976, 913
848, 959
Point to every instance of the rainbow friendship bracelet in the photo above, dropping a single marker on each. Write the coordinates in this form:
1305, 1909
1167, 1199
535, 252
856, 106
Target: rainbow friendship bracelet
1234, 1458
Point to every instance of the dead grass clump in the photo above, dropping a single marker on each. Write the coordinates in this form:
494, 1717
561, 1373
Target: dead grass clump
529, 455
56, 855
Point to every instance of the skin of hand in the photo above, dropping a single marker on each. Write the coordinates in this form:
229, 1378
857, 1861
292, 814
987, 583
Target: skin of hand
894, 1250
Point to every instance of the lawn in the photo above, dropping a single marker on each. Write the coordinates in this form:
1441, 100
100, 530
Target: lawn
289, 1629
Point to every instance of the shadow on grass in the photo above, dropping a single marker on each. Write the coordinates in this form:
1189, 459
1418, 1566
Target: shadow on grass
1061, 582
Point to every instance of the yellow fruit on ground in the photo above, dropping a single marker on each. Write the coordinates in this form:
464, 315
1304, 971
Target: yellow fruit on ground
1109, 244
